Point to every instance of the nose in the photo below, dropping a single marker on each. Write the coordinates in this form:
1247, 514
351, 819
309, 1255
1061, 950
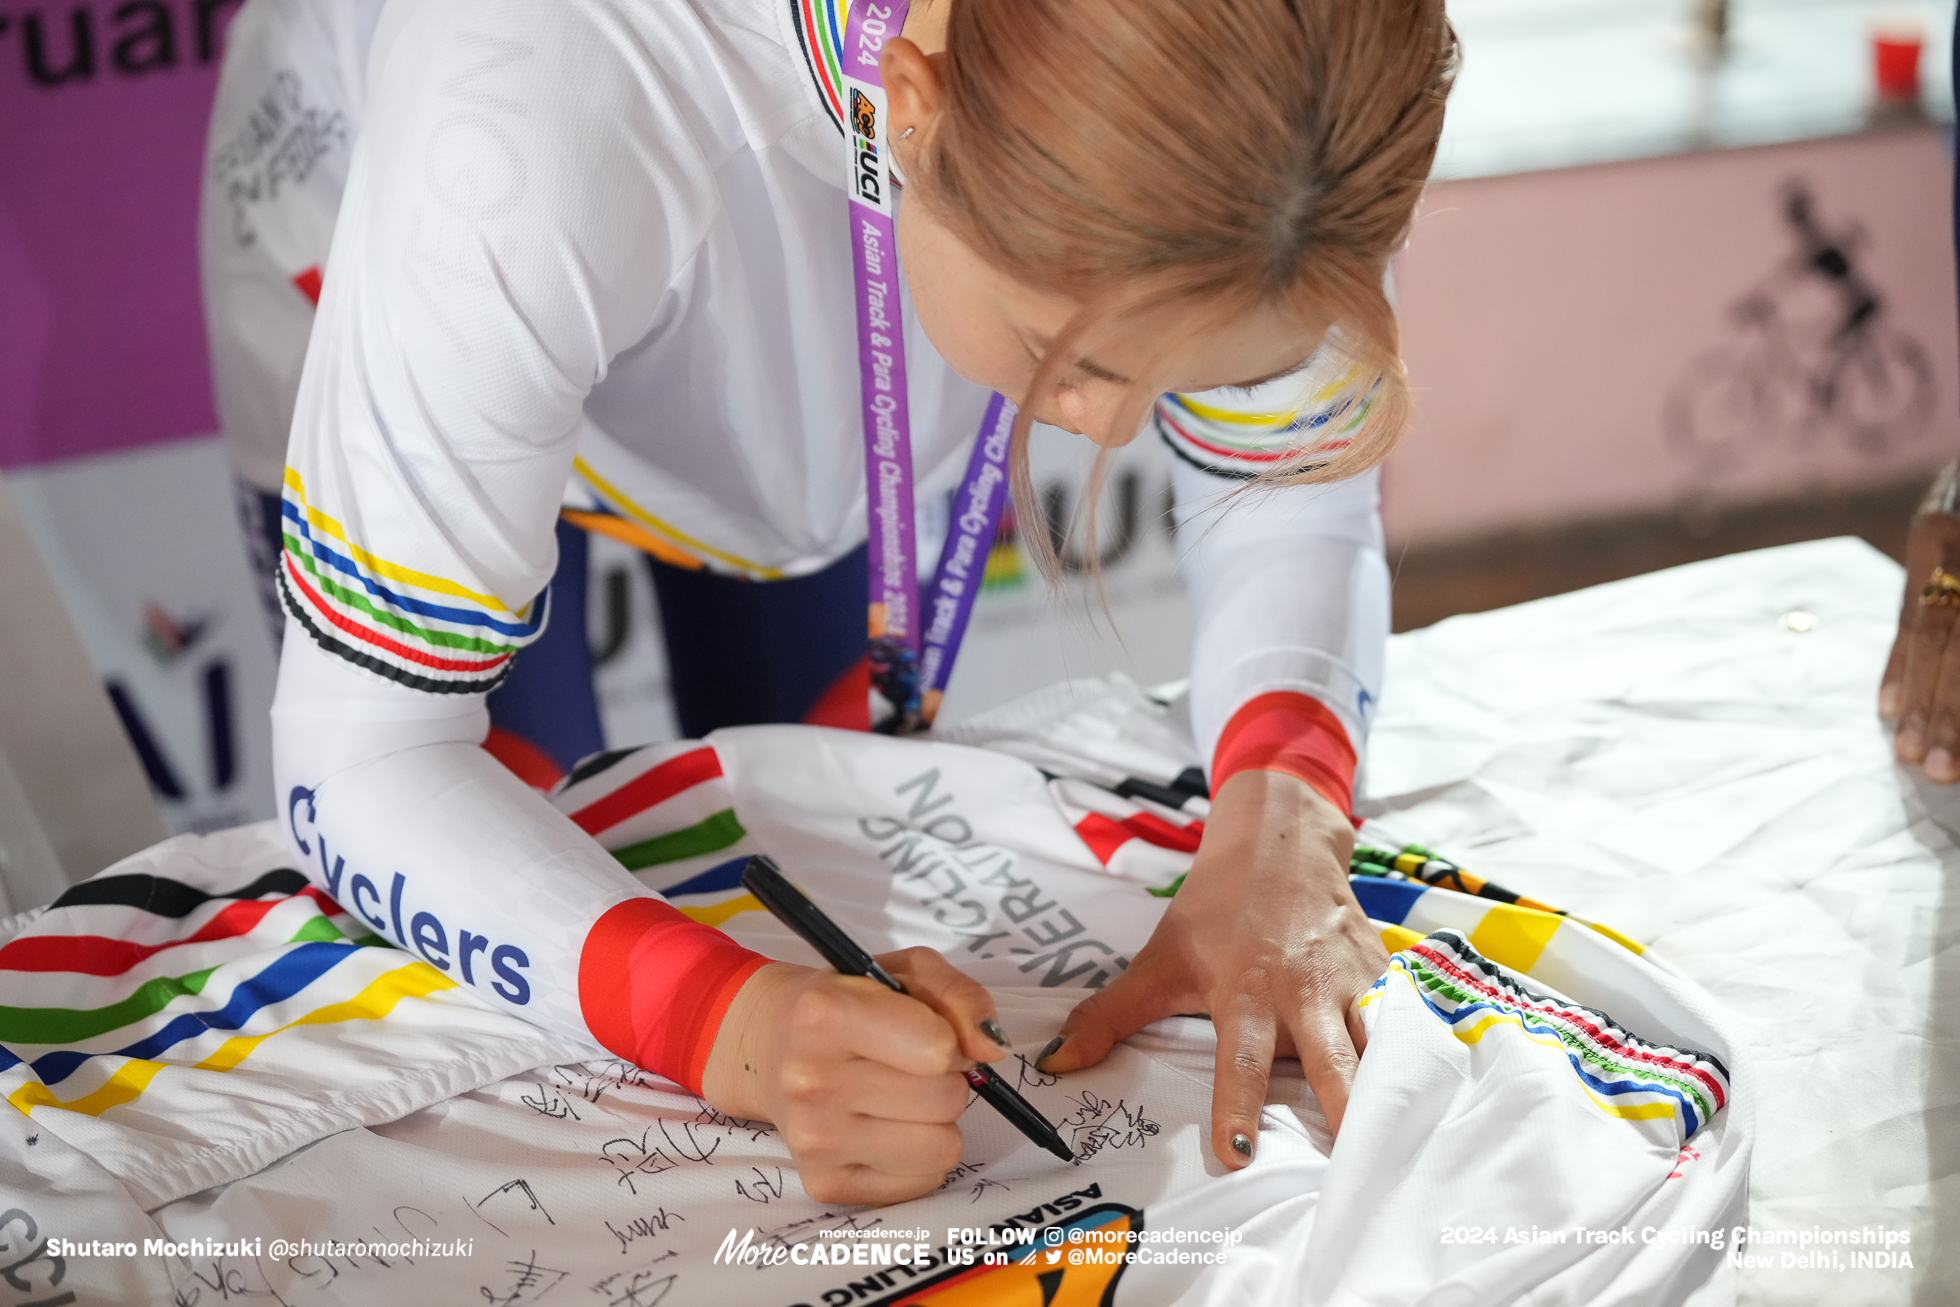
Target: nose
1094, 411
1049, 413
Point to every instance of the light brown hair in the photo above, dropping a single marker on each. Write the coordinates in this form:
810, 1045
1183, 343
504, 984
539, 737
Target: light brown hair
1214, 156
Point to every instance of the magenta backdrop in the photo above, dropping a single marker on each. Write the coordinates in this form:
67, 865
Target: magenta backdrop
101, 327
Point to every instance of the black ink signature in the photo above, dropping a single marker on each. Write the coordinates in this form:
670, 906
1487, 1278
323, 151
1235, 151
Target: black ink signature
960, 1172
1026, 1076
763, 1189
983, 1184
529, 1282
643, 1227
513, 1187
1100, 1124
636, 1159
733, 1125
638, 1288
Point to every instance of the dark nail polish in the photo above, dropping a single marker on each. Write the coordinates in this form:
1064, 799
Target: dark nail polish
991, 1029
1242, 1145
1048, 1052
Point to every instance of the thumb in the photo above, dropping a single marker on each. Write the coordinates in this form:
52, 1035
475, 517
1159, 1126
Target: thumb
1145, 992
1926, 548
1891, 686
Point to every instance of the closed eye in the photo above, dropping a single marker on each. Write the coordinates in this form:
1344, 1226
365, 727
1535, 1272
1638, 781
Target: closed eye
1247, 387
1037, 346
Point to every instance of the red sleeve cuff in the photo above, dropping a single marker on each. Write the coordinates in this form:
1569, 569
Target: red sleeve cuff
654, 986
1292, 733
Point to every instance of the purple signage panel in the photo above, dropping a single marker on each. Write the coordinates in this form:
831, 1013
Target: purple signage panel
103, 107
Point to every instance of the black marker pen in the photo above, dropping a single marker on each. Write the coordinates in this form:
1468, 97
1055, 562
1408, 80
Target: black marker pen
788, 905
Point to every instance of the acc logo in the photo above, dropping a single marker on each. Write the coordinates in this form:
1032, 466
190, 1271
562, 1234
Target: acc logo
864, 125
864, 115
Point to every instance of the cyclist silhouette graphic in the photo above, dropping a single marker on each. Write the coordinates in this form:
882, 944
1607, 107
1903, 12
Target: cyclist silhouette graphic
1847, 373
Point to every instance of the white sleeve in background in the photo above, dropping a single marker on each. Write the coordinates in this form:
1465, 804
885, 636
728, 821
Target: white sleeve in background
501, 240
1289, 585
282, 130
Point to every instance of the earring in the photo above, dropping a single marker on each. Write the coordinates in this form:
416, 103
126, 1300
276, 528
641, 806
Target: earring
907, 132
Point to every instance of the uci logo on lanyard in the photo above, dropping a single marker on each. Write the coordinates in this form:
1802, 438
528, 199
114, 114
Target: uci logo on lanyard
864, 125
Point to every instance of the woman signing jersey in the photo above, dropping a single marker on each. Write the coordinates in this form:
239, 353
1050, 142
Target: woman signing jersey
606, 242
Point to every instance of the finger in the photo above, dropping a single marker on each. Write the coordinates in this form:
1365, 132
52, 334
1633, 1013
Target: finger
862, 1018
1925, 650
1891, 686
893, 1148
1357, 1029
1926, 547
1146, 992
958, 998
1324, 1037
1246, 1035
859, 1086
1943, 720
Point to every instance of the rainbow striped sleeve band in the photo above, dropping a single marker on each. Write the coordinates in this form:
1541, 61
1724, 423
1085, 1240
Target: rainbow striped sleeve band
1240, 434
1624, 1075
424, 631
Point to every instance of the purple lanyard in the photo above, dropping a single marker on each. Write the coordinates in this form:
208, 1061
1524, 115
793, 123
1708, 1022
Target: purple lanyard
913, 645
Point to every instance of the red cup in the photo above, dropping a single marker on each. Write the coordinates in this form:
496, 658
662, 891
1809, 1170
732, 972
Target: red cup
1895, 63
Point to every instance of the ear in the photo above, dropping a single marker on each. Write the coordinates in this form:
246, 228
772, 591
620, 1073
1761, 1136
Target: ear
913, 87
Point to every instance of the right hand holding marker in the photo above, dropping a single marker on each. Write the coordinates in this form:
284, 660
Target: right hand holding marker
864, 1083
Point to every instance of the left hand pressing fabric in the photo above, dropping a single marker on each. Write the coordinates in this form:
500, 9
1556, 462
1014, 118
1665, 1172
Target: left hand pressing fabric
1266, 936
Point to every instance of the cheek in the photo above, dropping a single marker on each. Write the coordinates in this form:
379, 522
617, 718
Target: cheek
960, 319
981, 352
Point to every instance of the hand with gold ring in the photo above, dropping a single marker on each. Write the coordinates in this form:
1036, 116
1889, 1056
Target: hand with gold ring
1921, 687
1942, 590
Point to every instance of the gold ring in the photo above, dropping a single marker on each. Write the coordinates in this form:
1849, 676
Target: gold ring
1942, 590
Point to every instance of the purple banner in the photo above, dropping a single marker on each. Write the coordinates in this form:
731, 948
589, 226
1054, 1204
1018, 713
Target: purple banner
905, 690
894, 626
963, 560
887, 429
103, 110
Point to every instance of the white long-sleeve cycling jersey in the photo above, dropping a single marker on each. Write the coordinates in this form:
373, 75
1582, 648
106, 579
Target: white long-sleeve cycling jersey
605, 242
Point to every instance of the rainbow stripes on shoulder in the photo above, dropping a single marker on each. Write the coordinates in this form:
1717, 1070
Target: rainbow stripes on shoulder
1240, 440
426, 632
1624, 1076
820, 31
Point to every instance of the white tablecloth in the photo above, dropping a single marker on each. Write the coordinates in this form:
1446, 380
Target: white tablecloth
1683, 756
